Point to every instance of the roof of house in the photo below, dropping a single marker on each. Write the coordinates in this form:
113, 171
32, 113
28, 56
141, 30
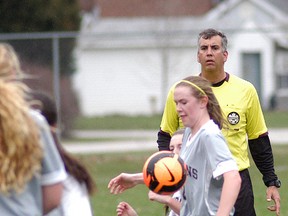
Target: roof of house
252, 15
280, 4
149, 8
230, 15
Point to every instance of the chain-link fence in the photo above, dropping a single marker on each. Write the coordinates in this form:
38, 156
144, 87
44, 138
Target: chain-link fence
47, 61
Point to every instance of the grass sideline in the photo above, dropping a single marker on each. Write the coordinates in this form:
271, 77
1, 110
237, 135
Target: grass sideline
103, 167
125, 122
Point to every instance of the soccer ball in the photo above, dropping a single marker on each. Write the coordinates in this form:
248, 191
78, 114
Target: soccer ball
164, 172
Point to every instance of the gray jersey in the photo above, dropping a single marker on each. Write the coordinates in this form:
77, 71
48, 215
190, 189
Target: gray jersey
207, 157
29, 201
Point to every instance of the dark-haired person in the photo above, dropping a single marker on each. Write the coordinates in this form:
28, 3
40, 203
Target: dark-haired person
79, 184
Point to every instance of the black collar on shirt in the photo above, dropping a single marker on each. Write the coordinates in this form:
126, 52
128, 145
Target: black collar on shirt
222, 81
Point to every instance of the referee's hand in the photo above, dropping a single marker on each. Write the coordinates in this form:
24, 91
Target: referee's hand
272, 193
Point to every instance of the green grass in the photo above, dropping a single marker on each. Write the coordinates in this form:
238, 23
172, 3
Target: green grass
102, 139
116, 122
126, 122
280, 157
105, 166
276, 119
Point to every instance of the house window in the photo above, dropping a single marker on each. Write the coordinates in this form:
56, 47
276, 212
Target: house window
251, 67
281, 69
282, 81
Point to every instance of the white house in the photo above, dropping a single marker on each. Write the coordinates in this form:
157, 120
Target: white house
126, 65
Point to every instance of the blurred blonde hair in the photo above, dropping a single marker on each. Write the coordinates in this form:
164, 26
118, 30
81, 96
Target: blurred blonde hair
20, 148
9, 63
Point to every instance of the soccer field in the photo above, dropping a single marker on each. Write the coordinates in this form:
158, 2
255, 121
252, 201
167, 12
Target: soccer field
105, 166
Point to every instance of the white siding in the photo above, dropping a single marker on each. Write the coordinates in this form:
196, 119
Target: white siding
121, 66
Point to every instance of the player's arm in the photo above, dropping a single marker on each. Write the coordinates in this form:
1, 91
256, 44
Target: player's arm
51, 195
124, 181
172, 203
53, 171
169, 122
124, 208
229, 194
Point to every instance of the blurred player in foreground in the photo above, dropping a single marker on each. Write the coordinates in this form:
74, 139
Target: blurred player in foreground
31, 170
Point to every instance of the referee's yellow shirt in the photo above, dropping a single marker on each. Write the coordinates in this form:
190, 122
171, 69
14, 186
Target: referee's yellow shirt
242, 110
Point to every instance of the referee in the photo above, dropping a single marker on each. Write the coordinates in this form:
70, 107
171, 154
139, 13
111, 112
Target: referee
241, 107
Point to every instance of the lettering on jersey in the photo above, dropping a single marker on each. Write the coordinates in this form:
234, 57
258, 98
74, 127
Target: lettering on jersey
192, 172
233, 118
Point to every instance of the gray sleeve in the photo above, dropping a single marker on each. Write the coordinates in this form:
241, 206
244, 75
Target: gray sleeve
53, 170
217, 150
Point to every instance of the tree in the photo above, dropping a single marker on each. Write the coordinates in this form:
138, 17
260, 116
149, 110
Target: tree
36, 55
28, 16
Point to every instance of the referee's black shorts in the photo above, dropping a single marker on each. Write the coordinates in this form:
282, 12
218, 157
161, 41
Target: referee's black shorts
244, 205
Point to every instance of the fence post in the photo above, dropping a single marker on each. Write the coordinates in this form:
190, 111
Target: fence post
56, 77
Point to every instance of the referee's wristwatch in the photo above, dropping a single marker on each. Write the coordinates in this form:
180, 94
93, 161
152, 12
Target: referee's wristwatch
276, 183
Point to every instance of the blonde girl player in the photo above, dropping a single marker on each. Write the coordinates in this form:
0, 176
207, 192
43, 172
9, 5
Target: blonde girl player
125, 181
213, 180
31, 170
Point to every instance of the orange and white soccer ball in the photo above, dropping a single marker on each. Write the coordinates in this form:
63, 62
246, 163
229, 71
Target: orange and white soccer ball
164, 172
